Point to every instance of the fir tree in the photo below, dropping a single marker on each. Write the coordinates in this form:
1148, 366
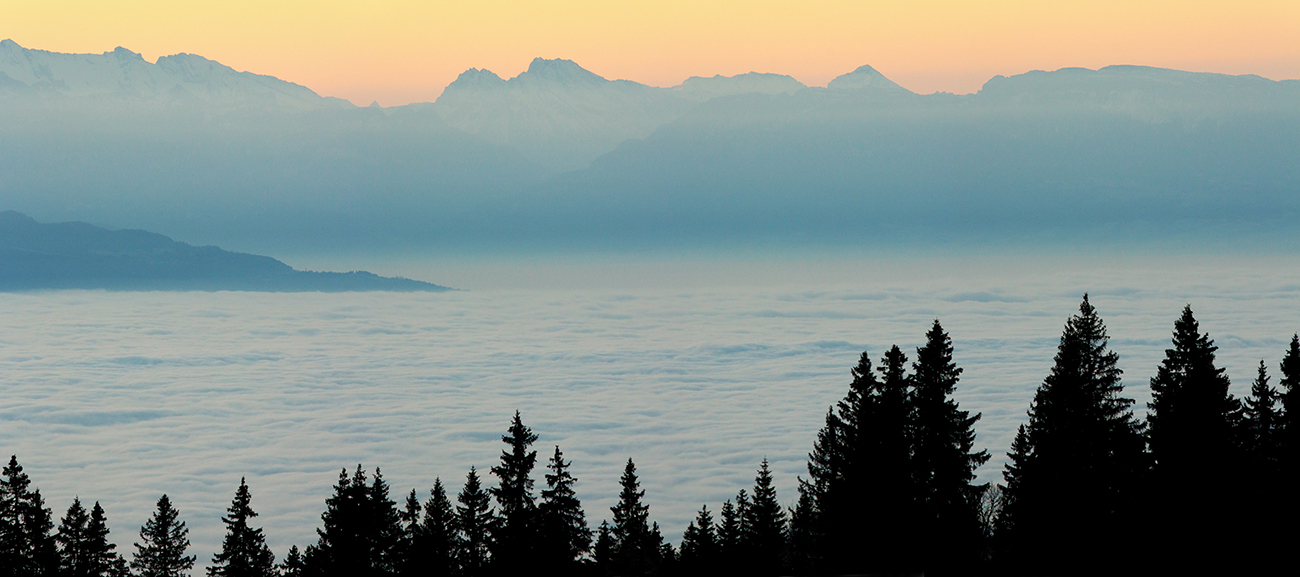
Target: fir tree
1262, 426
27, 545
515, 532
73, 541
564, 526
729, 535
411, 528
361, 533
103, 560
766, 525
605, 549
1290, 415
1075, 469
635, 552
293, 565
805, 532
243, 551
698, 554
163, 541
1192, 419
943, 463
436, 542
474, 518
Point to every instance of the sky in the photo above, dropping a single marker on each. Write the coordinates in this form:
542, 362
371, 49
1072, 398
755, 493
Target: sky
401, 51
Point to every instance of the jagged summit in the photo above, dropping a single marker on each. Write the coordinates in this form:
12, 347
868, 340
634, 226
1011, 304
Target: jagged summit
865, 78
124, 75
560, 70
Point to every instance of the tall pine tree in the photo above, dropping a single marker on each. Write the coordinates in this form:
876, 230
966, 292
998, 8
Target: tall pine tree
163, 542
943, 460
516, 532
1262, 427
1076, 468
27, 546
635, 550
73, 540
243, 551
698, 553
766, 524
104, 560
1197, 462
361, 531
474, 518
439, 532
565, 535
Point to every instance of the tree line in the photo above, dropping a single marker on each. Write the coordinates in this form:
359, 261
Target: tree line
1206, 481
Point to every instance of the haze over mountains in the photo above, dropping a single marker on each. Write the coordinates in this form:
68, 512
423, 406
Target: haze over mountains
561, 157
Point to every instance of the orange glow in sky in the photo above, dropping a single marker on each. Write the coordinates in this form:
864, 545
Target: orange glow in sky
401, 51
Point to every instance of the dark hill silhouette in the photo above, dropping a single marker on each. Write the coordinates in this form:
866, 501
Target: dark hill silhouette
77, 255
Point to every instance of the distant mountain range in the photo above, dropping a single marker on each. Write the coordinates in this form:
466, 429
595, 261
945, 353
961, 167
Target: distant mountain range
559, 156
76, 255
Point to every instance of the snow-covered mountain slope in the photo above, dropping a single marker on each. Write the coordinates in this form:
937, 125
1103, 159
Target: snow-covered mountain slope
700, 89
556, 112
125, 76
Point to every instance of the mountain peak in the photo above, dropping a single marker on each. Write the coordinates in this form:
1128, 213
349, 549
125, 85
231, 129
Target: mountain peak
865, 77
561, 70
126, 54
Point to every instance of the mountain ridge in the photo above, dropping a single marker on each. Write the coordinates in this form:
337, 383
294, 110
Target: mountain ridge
79, 255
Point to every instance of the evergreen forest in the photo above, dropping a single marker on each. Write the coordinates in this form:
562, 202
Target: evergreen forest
1204, 481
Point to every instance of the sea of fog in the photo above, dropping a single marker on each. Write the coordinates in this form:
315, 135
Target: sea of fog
696, 369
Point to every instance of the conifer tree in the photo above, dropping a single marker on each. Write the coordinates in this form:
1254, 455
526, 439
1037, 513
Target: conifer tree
635, 552
162, 546
516, 532
605, 549
411, 527
729, 535
27, 545
566, 537
766, 525
1076, 468
1290, 417
73, 541
805, 534
103, 560
436, 543
1192, 419
1262, 427
293, 565
243, 551
361, 533
475, 519
698, 554
943, 461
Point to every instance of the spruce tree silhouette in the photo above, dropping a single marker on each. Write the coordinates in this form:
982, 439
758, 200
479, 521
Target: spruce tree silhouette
605, 549
474, 519
1262, 428
698, 554
294, 565
635, 550
1290, 418
163, 541
805, 532
27, 545
103, 560
565, 537
729, 535
361, 532
243, 551
516, 530
73, 541
433, 551
1076, 468
1197, 461
766, 523
943, 464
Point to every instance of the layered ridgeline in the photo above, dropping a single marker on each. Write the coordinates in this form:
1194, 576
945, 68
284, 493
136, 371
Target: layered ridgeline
559, 155
76, 255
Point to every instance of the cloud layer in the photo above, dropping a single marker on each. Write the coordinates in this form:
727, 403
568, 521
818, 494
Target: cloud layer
120, 397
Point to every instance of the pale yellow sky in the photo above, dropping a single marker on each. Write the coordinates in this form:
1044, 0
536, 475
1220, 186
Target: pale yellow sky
400, 51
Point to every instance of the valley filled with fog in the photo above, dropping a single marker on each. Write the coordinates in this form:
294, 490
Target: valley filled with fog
122, 396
